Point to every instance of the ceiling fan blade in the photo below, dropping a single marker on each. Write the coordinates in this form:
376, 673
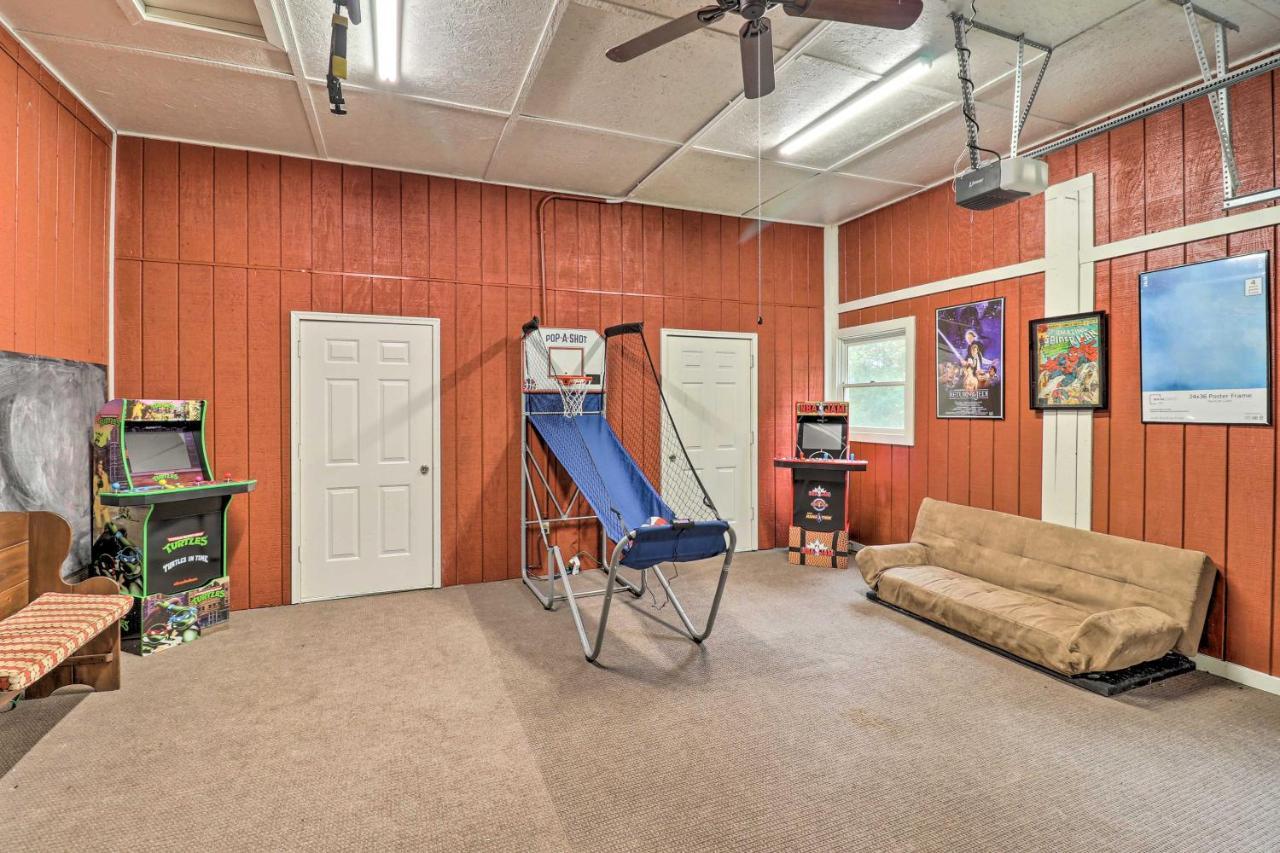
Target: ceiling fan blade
890, 14
757, 58
668, 32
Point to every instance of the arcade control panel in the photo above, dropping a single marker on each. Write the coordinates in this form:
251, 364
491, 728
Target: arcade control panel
117, 495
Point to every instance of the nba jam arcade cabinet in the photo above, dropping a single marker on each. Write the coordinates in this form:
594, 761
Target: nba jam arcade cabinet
820, 470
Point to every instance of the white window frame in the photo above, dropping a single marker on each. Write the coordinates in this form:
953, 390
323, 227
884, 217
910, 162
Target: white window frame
904, 326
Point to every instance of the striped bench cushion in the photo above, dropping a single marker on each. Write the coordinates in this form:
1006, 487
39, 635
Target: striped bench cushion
49, 630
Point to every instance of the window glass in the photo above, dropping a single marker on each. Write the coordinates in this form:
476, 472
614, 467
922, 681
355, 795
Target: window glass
877, 360
877, 407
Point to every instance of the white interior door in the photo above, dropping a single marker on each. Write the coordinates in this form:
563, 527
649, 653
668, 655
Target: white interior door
365, 398
710, 384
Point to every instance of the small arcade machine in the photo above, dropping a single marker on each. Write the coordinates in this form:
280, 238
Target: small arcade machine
820, 468
159, 520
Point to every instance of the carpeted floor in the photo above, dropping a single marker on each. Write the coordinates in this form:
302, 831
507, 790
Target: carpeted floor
466, 719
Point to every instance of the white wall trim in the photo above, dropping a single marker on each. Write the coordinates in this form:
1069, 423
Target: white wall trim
296, 318
1067, 447
1239, 674
930, 288
664, 336
830, 299
1220, 227
111, 273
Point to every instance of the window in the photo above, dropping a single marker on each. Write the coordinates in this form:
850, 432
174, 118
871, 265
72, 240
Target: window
875, 372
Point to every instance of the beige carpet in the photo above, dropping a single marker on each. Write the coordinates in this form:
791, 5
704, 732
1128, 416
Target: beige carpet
466, 719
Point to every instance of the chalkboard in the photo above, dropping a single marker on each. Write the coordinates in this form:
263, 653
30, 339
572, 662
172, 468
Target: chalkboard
47, 407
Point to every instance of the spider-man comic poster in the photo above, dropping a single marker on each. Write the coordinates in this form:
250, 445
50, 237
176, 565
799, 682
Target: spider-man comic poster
970, 346
1069, 362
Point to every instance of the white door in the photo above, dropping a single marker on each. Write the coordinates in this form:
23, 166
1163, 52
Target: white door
365, 398
710, 385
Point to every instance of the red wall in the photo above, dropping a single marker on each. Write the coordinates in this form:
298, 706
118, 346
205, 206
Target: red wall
1211, 488
214, 248
55, 170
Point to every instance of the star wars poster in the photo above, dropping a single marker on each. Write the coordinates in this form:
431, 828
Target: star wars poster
970, 346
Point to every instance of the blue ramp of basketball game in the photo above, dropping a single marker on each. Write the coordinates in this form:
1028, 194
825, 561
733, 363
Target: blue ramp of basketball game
617, 490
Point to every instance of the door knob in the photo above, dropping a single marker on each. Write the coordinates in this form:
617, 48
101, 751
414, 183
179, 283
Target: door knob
424, 470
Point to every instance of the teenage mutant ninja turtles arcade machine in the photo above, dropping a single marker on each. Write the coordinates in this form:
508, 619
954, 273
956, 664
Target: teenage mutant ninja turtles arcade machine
159, 520
820, 471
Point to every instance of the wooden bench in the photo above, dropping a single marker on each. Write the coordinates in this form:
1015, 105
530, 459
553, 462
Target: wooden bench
52, 633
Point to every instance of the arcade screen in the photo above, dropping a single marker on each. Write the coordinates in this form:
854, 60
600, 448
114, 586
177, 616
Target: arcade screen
815, 436
158, 450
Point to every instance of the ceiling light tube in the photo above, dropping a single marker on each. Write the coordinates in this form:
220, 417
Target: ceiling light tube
861, 100
386, 39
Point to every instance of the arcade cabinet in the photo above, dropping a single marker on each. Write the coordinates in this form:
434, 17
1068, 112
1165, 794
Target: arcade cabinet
159, 520
820, 469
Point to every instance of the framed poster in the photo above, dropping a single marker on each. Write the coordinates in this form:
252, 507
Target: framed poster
970, 360
1205, 333
1068, 361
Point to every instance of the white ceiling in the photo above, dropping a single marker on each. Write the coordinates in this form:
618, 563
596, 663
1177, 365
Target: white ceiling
520, 92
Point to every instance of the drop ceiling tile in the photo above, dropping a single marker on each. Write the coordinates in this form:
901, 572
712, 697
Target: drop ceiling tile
866, 128
151, 94
1137, 68
104, 23
785, 29
397, 132
880, 50
542, 154
936, 149
806, 89
666, 94
710, 181
829, 199
474, 53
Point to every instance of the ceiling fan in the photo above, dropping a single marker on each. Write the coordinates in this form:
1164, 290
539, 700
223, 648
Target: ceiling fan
757, 43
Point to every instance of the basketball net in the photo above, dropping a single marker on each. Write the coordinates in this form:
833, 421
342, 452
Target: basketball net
573, 392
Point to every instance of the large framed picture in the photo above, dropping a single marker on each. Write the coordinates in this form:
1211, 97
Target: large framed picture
1068, 361
1205, 333
970, 360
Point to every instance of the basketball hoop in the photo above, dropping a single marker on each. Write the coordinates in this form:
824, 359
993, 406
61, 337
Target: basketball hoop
573, 391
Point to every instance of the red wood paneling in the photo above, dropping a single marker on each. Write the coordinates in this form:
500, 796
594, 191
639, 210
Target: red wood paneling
53, 232
262, 235
1211, 488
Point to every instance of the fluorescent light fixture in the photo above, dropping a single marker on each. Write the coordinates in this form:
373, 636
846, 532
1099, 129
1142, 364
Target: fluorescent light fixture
386, 39
863, 99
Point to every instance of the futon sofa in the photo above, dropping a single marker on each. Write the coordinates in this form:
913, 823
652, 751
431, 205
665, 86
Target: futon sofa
1069, 600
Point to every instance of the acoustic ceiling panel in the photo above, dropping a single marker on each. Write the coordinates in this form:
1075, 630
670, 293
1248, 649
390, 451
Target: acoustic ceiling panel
401, 133
102, 22
708, 181
831, 197
151, 94
474, 53
541, 154
666, 94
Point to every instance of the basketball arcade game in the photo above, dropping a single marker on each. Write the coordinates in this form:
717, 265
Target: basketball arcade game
563, 406
820, 472
159, 520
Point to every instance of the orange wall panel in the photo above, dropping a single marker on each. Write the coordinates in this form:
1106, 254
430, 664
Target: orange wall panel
53, 236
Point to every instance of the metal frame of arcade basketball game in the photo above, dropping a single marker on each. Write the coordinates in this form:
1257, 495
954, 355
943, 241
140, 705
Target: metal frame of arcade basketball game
551, 379
544, 589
